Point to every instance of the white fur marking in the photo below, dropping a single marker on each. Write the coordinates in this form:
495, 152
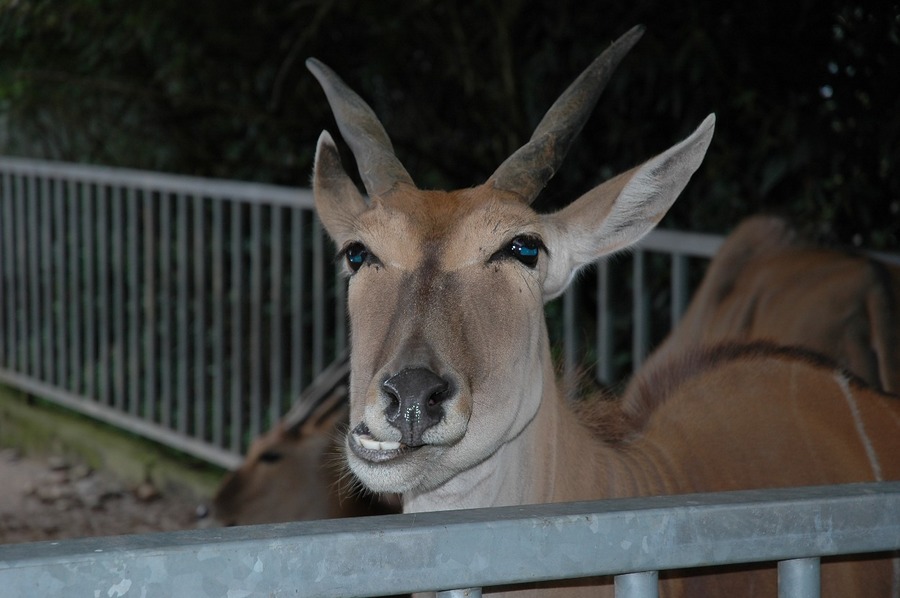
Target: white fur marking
873, 459
860, 427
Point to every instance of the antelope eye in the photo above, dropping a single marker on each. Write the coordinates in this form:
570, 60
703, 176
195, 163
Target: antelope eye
526, 249
356, 255
270, 457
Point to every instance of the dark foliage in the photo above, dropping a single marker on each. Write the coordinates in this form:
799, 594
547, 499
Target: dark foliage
806, 93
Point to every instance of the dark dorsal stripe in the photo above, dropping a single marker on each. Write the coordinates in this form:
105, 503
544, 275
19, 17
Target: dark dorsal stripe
651, 387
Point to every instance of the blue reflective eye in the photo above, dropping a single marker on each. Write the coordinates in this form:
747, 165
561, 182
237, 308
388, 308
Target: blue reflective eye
356, 255
526, 249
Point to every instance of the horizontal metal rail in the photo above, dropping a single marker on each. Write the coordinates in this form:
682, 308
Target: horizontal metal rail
293, 197
631, 538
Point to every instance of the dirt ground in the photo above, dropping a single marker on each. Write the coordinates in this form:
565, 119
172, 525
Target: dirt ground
52, 499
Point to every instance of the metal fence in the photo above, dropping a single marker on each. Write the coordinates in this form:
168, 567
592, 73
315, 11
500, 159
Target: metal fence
631, 539
190, 311
194, 311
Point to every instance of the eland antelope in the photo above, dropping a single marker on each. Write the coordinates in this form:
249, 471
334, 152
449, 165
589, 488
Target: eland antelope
292, 472
454, 399
765, 283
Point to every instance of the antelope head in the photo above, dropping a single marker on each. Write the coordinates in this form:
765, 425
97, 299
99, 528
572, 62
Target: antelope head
450, 356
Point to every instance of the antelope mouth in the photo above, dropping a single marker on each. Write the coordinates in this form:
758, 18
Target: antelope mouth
367, 447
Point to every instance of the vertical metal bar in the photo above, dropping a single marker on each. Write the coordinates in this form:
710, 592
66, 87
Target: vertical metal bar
318, 298
637, 585
46, 253
680, 293
298, 289
165, 311
33, 331
119, 273
201, 297
256, 308
467, 593
639, 312
276, 327
604, 325
60, 234
182, 354
151, 306
570, 343
799, 578
219, 297
76, 317
7, 299
237, 327
21, 279
102, 303
90, 293
134, 303
4, 272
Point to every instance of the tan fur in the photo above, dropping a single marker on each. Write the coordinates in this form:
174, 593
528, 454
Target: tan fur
765, 284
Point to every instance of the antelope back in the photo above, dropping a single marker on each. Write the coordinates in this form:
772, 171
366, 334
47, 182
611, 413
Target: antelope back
450, 356
766, 284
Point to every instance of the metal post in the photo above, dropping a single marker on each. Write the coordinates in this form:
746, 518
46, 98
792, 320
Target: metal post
297, 250
163, 402
119, 269
637, 585
217, 337
799, 578
604, 325
255, 316
102, 305
237, 327
276, 323
201, 327
640, 313
132, 239
182, 315
680, 291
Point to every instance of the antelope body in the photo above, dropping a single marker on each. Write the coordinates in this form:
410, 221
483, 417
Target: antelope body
454, 401
766, 283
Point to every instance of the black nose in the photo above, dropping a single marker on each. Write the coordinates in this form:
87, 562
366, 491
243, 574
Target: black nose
415, 398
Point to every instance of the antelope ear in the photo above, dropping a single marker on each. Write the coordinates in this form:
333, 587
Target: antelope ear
619, 212
338, 201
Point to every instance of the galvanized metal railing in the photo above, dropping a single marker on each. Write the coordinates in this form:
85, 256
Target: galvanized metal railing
631, 539
190, 311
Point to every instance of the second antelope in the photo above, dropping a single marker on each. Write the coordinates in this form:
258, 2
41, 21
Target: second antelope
454, 399
766, 283
291, 472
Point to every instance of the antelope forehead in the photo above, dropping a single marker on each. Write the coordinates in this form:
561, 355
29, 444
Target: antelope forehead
449, 231
474, 237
